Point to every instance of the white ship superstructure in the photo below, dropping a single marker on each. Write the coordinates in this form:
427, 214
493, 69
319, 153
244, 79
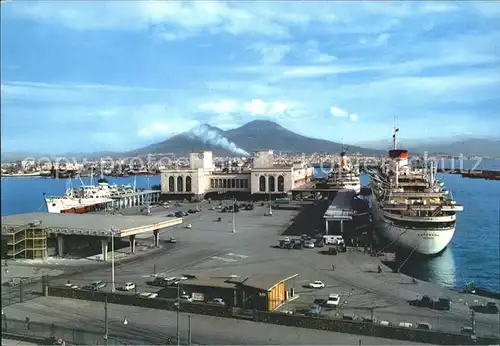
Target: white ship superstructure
345, 175
86, 198
410, 207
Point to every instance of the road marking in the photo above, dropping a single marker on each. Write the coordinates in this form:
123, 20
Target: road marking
237, 255
224, 259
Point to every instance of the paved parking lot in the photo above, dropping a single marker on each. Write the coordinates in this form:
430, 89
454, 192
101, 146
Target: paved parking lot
210, 248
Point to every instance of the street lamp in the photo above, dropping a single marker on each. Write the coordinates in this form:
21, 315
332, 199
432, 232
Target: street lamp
106, 321
112, 231
234, 216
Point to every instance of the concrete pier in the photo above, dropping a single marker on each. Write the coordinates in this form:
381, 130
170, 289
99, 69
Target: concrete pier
104, 249
132, 243
340, 210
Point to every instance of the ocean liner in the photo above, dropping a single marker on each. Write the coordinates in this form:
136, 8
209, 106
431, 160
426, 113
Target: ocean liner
345, 175
86, 198
410, 206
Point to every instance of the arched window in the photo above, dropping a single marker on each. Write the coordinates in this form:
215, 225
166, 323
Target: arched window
188, 184
281, 183
262, 184
272, 184
171, 184
180, 183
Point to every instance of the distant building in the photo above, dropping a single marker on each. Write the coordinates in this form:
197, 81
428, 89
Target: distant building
203, 180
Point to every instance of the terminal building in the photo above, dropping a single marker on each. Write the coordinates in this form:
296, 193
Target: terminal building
260, 179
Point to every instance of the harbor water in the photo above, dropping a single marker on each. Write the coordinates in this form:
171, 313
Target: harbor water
473, 255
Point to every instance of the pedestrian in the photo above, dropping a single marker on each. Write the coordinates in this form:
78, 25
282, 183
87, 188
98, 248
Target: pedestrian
333, 267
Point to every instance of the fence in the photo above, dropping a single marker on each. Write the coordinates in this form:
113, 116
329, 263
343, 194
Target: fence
79, 336
335, 325
18, 291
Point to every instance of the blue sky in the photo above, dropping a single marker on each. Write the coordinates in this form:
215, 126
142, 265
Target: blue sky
120, 75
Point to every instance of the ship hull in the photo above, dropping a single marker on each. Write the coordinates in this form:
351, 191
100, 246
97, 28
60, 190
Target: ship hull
65, 205
428, 241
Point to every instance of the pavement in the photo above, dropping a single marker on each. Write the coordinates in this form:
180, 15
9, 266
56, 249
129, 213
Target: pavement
160, 324
210, 248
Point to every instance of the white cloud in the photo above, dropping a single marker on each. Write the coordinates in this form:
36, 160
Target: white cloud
353, 117
154, 130
256, 107
338, 112
271, 53
224, 106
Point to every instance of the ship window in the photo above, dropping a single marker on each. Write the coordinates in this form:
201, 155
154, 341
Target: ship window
220, 184
245, 185
171, 184
224, 183
180, 184
188, 184
281, 183
262, 184
212, 183
237, 183
272, 184
233, 183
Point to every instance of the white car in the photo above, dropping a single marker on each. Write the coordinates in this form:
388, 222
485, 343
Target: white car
148, 295
333, 300
179, 279
188, 226
185, 299
316, 284
72, 286
128, 286
309, 245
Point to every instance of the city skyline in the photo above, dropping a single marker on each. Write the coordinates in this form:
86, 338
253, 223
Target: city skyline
86, 77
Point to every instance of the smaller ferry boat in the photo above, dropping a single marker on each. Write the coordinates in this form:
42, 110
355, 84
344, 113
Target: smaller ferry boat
86, 198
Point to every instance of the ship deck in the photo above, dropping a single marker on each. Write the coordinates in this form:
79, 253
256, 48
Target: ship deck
88, 224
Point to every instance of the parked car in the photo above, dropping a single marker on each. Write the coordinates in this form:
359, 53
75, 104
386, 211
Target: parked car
189, 226
424, 326
492, 308
185, 299
309, 245
129, 286
148, 295
218, 301
442, 304
172, 240
333, 300
97, 285
316, 284
314, 311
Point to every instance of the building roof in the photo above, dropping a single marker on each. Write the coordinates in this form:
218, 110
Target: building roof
341, 206
263, 282
266, 282
89, 224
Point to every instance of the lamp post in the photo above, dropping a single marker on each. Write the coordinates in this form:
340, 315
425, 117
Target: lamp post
112, 231
234, 216
270, 206
178, 311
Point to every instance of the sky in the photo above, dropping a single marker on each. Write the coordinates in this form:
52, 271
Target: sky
97, 76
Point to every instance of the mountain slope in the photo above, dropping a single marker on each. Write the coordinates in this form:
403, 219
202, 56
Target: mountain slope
263, 134
467, 147
258, 134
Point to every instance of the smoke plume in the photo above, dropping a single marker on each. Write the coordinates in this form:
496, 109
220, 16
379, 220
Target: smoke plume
212, 137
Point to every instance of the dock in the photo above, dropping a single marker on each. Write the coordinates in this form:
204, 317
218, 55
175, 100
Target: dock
29, 235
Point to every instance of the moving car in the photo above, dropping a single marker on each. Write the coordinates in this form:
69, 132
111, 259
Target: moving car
185, 299
188, 226
316, 284
172, 240
148, 295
